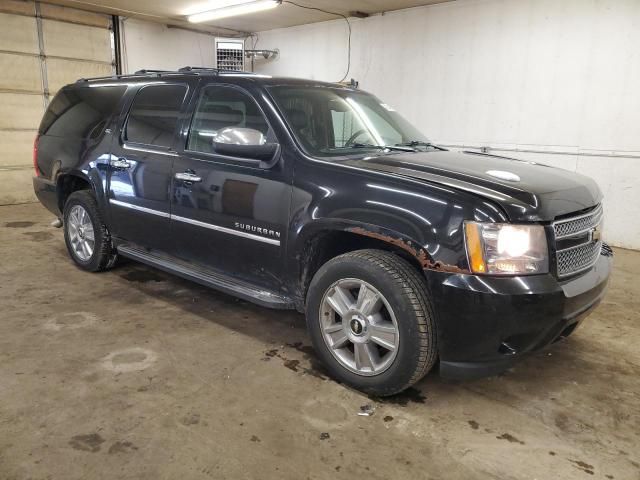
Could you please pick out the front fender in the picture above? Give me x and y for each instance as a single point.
(393, 238)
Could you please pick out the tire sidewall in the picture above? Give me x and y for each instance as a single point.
(404, 365)
(80, 198)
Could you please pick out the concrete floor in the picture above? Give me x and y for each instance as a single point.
(139, 375)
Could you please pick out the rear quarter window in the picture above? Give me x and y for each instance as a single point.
(81, 112)
(154, 114)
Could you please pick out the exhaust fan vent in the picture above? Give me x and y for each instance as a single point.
(230, 54)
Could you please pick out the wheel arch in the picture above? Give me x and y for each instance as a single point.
(322, 242)
(67, 183)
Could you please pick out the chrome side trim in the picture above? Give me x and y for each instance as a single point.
(149, 150)
(139, 208)
(230, 231)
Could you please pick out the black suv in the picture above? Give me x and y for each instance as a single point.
(297, 194)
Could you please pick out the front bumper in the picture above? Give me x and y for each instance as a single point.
(485, 324)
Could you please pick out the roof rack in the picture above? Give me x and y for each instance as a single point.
(148, 72)
(189, 69)
(139, 73)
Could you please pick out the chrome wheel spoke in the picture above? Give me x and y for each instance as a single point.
(89, 235)
(365, 356)
(340, 300)
(335, 335)
(73, 229)
(338, 339)
(73, 219)
(369, 301)
(334, 327)
(384, 334)
(85, 249)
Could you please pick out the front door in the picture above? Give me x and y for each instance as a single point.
(230, 213)
(140, 166)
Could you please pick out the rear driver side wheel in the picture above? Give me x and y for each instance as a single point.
(85, 233)
(371, 321)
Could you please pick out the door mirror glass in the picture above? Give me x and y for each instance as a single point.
(239, 136)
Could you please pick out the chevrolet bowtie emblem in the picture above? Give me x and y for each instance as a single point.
(596, 233)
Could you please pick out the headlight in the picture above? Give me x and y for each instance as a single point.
(506, 249)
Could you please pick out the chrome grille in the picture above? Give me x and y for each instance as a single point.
(576, 259)
(576, 225)
(581, 228)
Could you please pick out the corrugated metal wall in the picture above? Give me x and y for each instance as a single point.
(42, 48)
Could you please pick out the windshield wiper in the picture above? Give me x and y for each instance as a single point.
(399, 148)
(419, 143)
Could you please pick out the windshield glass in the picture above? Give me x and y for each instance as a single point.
(335, 122)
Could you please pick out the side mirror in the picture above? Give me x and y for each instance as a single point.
(245, 143)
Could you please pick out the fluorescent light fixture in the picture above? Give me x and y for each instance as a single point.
(233, 10)
(212, 5)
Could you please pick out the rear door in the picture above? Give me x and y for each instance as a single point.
(228, 213)
(139, 177)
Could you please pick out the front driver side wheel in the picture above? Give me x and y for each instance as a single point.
(371, 321)
(85, 233)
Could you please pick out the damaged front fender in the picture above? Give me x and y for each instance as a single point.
(419, 253)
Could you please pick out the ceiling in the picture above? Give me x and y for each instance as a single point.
(286, 15)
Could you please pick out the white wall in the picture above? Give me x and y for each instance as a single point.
(155, 46)
(560, 76)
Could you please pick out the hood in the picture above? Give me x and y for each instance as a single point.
(526, 191)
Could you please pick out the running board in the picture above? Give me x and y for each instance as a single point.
(206, 277)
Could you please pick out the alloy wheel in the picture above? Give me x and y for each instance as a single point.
(81, 234)
(359, 327)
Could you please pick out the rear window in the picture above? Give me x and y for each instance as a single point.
(81, 112)
(154, 115)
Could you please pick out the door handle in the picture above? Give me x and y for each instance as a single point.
(188, 177)
(119, 163)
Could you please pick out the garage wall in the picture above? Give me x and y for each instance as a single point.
(42, 48)
(149, 45)
(550, 81)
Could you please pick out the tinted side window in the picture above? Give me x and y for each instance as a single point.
(80, 112)
(226, 115)
(154, 114)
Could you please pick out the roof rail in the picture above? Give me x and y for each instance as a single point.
(139, 73)
(146, 71)
(188, 69)
(191, 69)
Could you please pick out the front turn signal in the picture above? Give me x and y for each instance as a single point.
(475, 250)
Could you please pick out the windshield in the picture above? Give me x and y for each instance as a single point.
(335, 122)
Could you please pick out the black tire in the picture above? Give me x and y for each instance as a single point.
(104, 255)
(405, 291)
